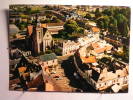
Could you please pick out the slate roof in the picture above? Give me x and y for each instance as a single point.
(13, 29)
(48, 57)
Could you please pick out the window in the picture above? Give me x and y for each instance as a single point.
(125, 82)
(114, 81)
(99, 85)
(39, 35)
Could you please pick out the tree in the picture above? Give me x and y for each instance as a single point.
(22, 25)
(122, 24)
(113, 26)
(48, 51)
(103, 22)
(98, 13)
(70, 26)
(108, 12)
(55, 19)
(88, 16)
(58, 51)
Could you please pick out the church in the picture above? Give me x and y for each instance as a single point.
(41, 35)
(41, 38)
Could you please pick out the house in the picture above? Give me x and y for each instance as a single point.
(17, 53)
(100, 47)
(106, 72)
(13, 29)
(99, 70)
(91, 24)
(90, 59)
(49, 61)
(109, 73)
(26, 72)
(95, 30)
(69, 47)
(53, 28)
(91, 37)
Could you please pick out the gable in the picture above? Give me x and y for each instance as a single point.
(47, 35)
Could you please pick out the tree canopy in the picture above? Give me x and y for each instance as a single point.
(115, 20)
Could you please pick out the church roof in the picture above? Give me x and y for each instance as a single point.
(54, 24)
(48, 57)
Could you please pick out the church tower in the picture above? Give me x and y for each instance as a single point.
(47, 40)
(42, 38)
(38, 37)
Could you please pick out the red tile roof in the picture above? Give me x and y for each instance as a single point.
(95, 45)
(95, 29)
(109, 47)
(30, 29)
(22, 69)
(54, 24)
(100, 50)
(91, 59)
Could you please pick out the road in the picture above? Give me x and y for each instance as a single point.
(80, 84)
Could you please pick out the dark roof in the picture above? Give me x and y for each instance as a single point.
(95, 75)
(13, 29)
(48, 57)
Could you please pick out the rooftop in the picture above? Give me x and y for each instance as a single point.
(47, 57)
(95, 29)
(53, 24)
(30, 29)
(13, 29)
(91, 59)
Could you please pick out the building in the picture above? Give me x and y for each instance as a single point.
(48, 61)
(95, 30)
(103, 73)
(70, 47)
(107, 74)
(40, 37)
(99, 69)
(13, 29)
(91, 24)
(53, 28)
(100, 48)
(26, 72)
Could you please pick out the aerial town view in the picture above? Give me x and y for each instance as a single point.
(65, 48)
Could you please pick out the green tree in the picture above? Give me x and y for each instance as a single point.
(113, 26)
(58, 51)
(122, 24)
(109, 11)
(48, 51)
(22, 25)
(55, 20)
(98, 13)
(88, 16)
(103, 22)
(70, 26)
